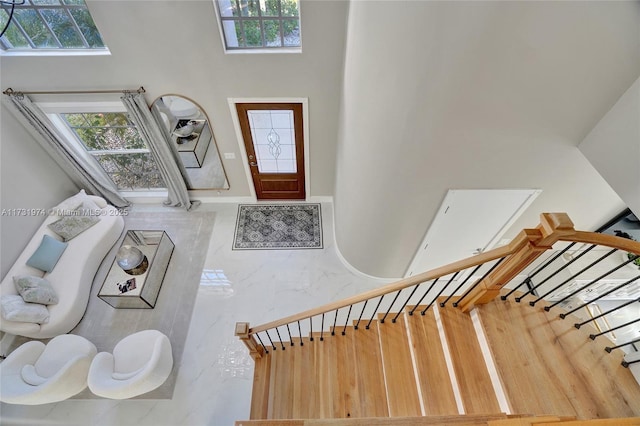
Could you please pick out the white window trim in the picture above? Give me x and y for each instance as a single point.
(259, 50)
(52, 109)
(57, 52)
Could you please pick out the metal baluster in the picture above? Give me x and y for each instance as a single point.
(461, 284)
(626, 364)
(310, 330)
(455, 304)
(266, 351)
(593, 336)
(563, 315)
(390, 306)
(322, 328)
(610, 348)
(405, 303)
(272, 345)
(280, 338)
(533, 303)
(335, 318)
(440, 292)
(375, 311)
(547, 308)
(537, 271)
(580, 324)
(344, 330)
(300, 333)
(560, 269)
(360, 317)
(290, 338)
(423, 296)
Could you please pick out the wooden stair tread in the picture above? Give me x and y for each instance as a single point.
(459, 420)
(369, 372)
(474, 381)
(578, 377)
(433, 375)
(402, 392)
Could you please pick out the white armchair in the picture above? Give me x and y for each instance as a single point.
(140, 363)
(36, 373)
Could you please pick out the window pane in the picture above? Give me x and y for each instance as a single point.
(289, 8)
(102, 132)
(249, 7)
(75, 120)
(45, 2)
(253, 35)
(232, 33)
(88, 27)
(63, 28)
(273, 137)
(270, 7)
(291, 29)
(136, 171)
(13, 34)
(228, 7)
(75, 2)
(272, 33)
(35, 28)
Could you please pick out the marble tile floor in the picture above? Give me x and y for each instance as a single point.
(213, 384)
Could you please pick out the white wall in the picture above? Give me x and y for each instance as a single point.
(613, 147)
(464, 95)
(175, 47)
(29, 179)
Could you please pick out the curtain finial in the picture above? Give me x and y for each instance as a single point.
(11, 92)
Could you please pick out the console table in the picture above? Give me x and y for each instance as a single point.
(192, 150)
(123, 290)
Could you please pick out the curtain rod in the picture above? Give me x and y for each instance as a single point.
(10, 91)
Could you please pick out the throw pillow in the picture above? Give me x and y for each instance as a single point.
(47, 254)
(15, 309)
(71, 203)
(69, 227)
(35, 289)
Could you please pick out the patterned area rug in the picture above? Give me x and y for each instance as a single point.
(279, 226)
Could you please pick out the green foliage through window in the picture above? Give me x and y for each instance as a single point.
(49, 24)
(250, 24)
(113, 140)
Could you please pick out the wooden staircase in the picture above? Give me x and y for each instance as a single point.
(502, 357)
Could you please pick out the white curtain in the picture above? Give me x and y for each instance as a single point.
(154, 136)
(81, 171)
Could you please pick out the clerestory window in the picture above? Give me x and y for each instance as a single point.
(260, 24)
(48, 25)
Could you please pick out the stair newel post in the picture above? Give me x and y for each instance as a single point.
(529, 244)
(242, 332)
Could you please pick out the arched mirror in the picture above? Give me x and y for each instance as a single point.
(193, 141)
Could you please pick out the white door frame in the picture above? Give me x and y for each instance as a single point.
(243, 152)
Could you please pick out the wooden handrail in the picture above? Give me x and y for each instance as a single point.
(451, 268)
(526, 246)
(604, 240)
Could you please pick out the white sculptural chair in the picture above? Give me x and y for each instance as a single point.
(36, 373)
(140, 363)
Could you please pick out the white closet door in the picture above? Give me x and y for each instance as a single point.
(469, 221)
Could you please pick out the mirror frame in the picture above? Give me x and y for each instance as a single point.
(213, 140)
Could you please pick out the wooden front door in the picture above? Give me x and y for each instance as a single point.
(273, 138)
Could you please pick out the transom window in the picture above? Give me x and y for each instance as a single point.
(260, 24)
(113, 140)
(49, 25)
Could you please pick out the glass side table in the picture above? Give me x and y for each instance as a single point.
(125, 290)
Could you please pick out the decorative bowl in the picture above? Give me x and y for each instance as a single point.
(184, 131)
